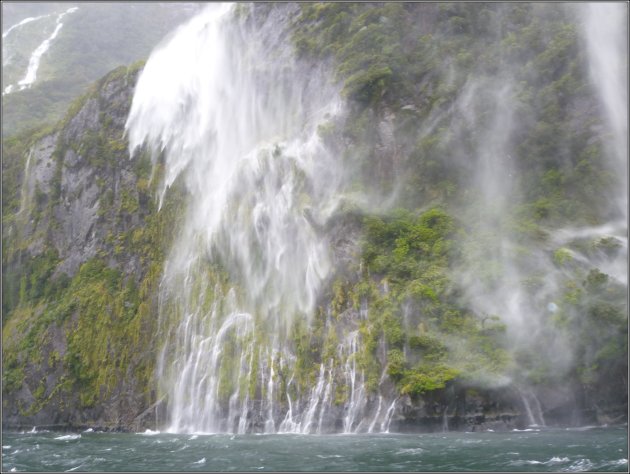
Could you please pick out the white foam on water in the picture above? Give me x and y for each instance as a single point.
(6, 447)
(186, 446)
(149, 432)
(201, 461)
(582, 428)
(68, 437)
(410, 451)
(580, 465)
(89, 430)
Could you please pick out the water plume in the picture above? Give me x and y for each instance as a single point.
(225, 107)
(606, 37)
(234, 114)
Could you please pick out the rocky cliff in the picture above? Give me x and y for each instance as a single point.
(81, 255)
(480, 270)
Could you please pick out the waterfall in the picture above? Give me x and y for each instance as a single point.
(26, 190)
(378, 412)
(231, 112)
(532, 407)
(388, 416)
(606, 34)
(445, 420)
(33, 64)
(21, 23)
(606, 40)
(355, 381)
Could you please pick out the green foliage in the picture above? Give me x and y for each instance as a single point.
(368, 86)
(411, 254)
(306, 354)
(431, 348)
(12, 374)
(105, 317)
(400, 246)
(426, 378)
(408, 66)
(562, 256)
(396, 364)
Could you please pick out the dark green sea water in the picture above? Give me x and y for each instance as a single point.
(556, 450)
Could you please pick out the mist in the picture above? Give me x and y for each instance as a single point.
(267, 149)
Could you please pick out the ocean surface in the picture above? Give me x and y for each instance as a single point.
(556, 450)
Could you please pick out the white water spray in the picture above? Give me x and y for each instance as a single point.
(235, 115)
(606, 32)
(606, 35)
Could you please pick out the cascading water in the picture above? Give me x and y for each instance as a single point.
(236, 115)
(33, 65)
(21, 23)
(606, 34)
(606, 39)
(533, 410)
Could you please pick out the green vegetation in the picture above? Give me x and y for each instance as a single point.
(102, 315)
(445, 79)
(411, 65)
(413, 256)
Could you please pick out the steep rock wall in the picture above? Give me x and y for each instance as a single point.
(81, 263)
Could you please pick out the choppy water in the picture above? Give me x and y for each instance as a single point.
(581, 449)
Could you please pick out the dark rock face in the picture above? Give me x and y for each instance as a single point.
(82, 231)
(76, 193)
(78, 223)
